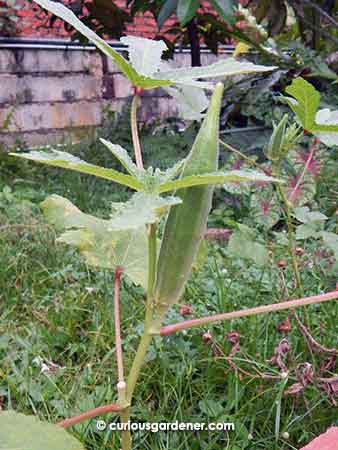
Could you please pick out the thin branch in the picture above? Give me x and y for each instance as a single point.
(117, 322)
(134, 132)
(169, 329)
(314, 345)
(291, 240)
(241, 155)
(111, 407)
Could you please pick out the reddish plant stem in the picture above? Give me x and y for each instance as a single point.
(313, 344)
(111, 407)
(314, 147)
(222, 234)
(118, 340)
(169, 329)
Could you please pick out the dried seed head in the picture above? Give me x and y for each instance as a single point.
(284, 326)
(207, 337)
(185, 310)
(233, 337)
(299, 251)
(282, 263)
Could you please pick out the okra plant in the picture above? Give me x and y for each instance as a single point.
(128, 241)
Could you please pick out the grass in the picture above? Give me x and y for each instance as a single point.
(55, 309)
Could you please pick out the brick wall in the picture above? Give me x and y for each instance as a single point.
(47, 94)
(31, 23)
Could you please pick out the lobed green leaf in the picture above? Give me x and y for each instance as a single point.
(101, 244)
(21, 432)
(142, 209)
(305, 102)
(122, 155)
(59, 10)
(224, 68)
(216, 178)
(191, 101)
(144, 54)
(65, 160)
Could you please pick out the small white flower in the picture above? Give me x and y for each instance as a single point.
(90, 289)
(45, 366)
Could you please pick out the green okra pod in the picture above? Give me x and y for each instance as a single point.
(277, 140)
(186, 223)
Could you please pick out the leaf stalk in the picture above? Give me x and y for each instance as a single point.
(134, 131)
(288, 304)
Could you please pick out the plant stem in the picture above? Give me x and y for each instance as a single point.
(134, 132)
(121, 386)
(289, 225)
(305, 169)
(118, 341)
(111, 407)
(126, 441)
(288, 304)
(146, 337)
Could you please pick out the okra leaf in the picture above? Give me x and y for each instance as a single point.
(110, 250)
(236, 176)
(172, 172)
(59, 10)
(143, 69)
(144, 54)
(224, 68)
(122, 155)
(142, 209)
(18, 431)
(100, 244)
(63, 214)
(57, 158)
(305, 102)
(191, 101)
(328, 118)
